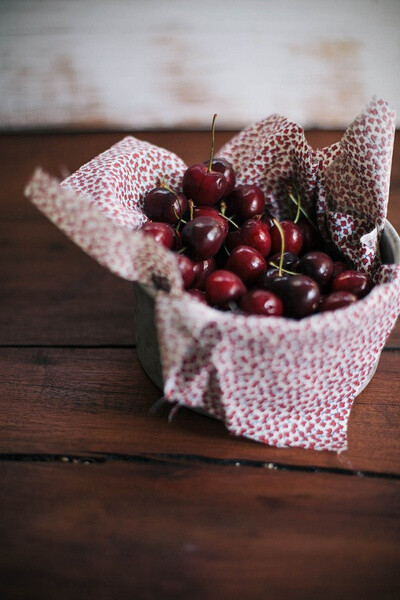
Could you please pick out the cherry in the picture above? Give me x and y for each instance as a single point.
(163, 233)
(261, 302)
(186, 267)
(290, 261)
(177, 241)
(267, 280)
(202, 270)
(267, 218)
(220, 165)
(292, 235)
(200, 183)
(338, 267)
(336, 300)
(300, 295)
(162, 204)
(356, 282)
(233, 239)
(256, 234)
(246, 262)
(223, 287)
(203, 237)
(246, 201)
(198, 294)
(209, 211)
(311, 237)
(317, 265)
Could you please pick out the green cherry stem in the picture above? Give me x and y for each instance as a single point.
(297, 217)
(284, 270)
(279, 228)
(191, 209)
(303, 211)
(222, 213)
(212, 144)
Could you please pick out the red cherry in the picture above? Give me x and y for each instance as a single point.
(163, 233)
(338, 267)
(223, 287)
(202, 186)
(220, 165)
(317, 265)
(256, 234)
(336, 300)
(203, 237)
(209, 211)
(233, 239)
(198, 294)
(202, 269)
(246, 262)
(356, 282)
(162, 204)
(300, 295)
(292, 235)
(290, 261)
(261, 302)
(246, 201)
(311, 237)
(186, 267)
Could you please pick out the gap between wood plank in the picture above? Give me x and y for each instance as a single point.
(168, 458)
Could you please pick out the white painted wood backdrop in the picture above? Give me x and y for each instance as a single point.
(173, 63)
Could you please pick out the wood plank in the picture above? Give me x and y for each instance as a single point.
(178, 531)
(82, 401)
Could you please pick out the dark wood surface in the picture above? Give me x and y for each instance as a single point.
(99, 498)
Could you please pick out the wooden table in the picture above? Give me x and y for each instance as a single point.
(100, 499)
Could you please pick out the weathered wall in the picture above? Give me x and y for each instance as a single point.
(155, 63)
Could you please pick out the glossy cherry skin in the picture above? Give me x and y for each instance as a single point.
(202, 186)
(311, 237)
(255, 233)
(356, 282)
(336, 300)
(338, 267)
(161, 204)
(163, 233)
(317, 265)
(300, 295)
(220, 165)
(223, 287)
(209, 211)
(290, 261)
(203, 237)
(246, 201)
(261, 302)
(246, 262)
(292, 236)
(198, 294)
(186, 267)
(233, 239)
(268, 280)
(202, 270)
(267, 218)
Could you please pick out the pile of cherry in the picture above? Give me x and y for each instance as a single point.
(234, 256)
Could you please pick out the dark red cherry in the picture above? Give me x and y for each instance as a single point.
(163, 233)
(256, 234)
(220, 165)
(233, 239)
(246, 262)
(246, 201)
(203, 237)
(336, 300)
(202, 186)
(290, 261)
(292, 235)
(356, 282)
(223, 287)
(300, 295)
(311, 238)
(261, 302)
(267, 218)
(202, 269)
(177, 241)
(186, 267)
(338, 267)
(209, 211)
(162, 204)
(198, 294)
(268, 280)
(317, 265)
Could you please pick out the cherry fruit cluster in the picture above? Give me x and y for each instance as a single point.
(234, 255)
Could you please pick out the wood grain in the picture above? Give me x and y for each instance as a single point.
(175, 531)
(83, 401)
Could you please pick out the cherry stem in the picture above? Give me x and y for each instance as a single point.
(284, 270)
(226, 250)
(302, 210)
(279, 228)
(230, 221)
(297, 217)
(212, 144)
(191, 209)
(181, 250)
